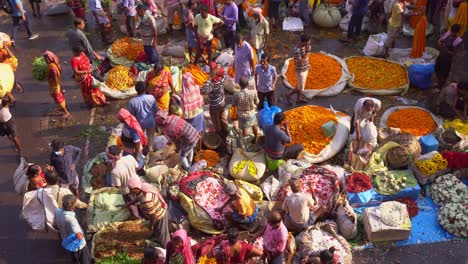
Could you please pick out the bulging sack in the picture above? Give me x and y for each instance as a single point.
(327, 16)
(247, 166)
(375, 45)
(421, 75)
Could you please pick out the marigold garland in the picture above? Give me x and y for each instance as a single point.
(305, 125)
(120, 78)
(376, 74)
(412, 120)
(324, 72)
(199, 76)
(127, 48)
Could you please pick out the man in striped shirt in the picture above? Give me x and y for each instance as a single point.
(184, 135)
(301, 60)
(149, 33)
(216, 99)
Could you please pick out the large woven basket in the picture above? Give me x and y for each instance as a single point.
(403, 155)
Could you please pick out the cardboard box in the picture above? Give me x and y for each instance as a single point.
(376, 230)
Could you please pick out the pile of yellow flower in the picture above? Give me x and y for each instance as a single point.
(206, 260)
(241, 165)
(199, 76)
(305, 125)
(412, 120)
(377, 74)
(128, 48)
(431, 166)
(120, 78)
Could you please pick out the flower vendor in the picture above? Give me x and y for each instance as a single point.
(265, 81)
(149, 34)
(365, 111)
(54, 74)
(277, 136)
(159, 80)
(275, 238)
(192, 104)
(133, 136)
(244, 209)
(244, 59)
(453, 101)
(300, 209)
(205, 24)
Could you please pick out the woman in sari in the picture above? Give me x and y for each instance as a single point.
(53, 75)
(178, 250)
(192, 103)
(82, 70)
(158, 81)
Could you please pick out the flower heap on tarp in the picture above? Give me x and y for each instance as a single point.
(372, 73)
(412, 120)
(324, 72)
(305, 125)
(128, 48)
(431, 166)
(120, 78)
(358, 182)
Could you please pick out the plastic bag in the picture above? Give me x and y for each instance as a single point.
(72, 243)
(375, 45)
(421, 75)
(267, 114)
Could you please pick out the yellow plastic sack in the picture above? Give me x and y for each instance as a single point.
(458, 125)
(7, 79)
(198, 217)
(254, 191)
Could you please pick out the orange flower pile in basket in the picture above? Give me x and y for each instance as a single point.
(324, 72)
(127, 48)
(199, 76)
(377, 74)
(211, 157)
(305, 125)
(412, 120)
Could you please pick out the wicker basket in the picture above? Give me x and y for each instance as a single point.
(403, 155)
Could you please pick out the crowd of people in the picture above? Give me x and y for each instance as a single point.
(150, 112)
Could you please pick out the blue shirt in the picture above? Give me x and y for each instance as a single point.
(144, 108)
(67, 224)
(130, 133)
(15, 12)
(231, 13)
(360, 7)
(130, 9)
(265, 78)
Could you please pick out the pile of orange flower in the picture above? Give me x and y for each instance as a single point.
(305, 125)
(127, 48)
(412, 120)
(211, 157)
(324, 72)
(120, 78)
(371, 73)
(199, 76)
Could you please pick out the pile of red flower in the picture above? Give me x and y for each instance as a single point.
(456, 160)
(358, 182)
(411, 205)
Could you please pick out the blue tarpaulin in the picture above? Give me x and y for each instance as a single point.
(373, 197)
(425, 227)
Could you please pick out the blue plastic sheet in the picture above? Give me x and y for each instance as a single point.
(266, 115)
(372, 197)
(425, 227)
(421, 75)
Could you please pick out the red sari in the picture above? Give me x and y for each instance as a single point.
(91, 95)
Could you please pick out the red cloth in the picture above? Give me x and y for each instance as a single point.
(185, 250)
(127, 118)
(58, 97)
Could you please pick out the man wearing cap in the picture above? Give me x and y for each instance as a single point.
(244, 210)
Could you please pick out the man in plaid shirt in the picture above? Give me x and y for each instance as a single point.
(246, 101)
(184, 135)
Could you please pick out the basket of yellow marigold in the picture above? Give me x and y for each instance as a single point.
(377, 76)
(414, 120)
(305, 125)
(120, 78)
(126, 51)
(328, 75)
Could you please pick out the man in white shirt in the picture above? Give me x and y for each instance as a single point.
(301, 210)
(8, 124)
(123, 168)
